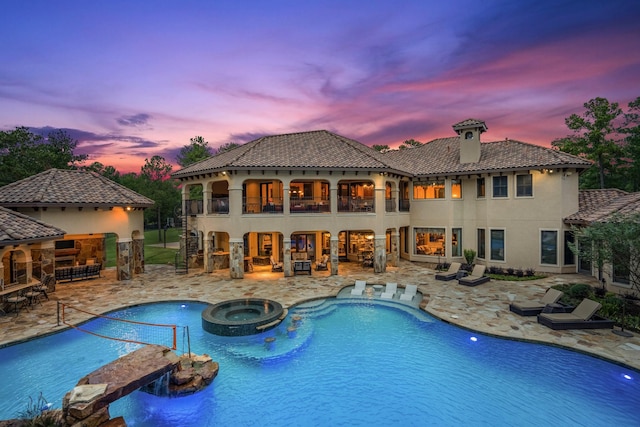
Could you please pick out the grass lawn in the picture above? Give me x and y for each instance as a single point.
(152, 254)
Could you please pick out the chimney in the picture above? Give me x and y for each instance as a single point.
(469, 131)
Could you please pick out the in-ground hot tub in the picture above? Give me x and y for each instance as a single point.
(241, 316)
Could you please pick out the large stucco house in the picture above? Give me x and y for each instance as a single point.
(71, 212)
(304, 195)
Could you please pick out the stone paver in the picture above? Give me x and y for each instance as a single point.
(484, 308)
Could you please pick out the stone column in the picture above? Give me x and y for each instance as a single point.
(395, 248)
(138, 256)
(286, 250)
(124, 250)
(207, 252)
(334, 255)
(236, 258)
(380, 254)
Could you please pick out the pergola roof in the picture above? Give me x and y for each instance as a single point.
(17, 228)
(70, 188)
(604, 205)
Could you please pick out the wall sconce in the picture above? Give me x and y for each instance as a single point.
(128, 208)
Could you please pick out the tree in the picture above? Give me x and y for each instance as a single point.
(198, 149)
(381, 148)
(108, 172)
(410, 143)
(156, 184)
(227, 146)
(615, 243)
(631, 148)
(595, 138)
(23, 153)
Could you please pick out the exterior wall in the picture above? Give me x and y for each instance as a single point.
(555, 196)
(80, 224)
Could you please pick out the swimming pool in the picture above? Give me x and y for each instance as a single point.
(349, 363)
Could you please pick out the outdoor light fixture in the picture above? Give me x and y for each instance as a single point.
(474, 339)
(128, 208)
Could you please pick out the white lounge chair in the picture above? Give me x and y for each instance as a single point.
(389, 290)
(409, 292)
(359, 287)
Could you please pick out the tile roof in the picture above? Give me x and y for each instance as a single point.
(470, 123)
(320, 150)
(603, 205)
(442, 157)
(17, 228)
(61, 187)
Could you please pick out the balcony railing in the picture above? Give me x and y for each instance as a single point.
(219, 205)
(404, 205)
(261, 205)
(193, 207)
(347, 204)
(390, 205)
(309, 205)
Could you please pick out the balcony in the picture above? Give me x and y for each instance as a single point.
(193, 207)
(365, 204)
(219, 205)
(404, 205)
(390, 205)
(309, 205)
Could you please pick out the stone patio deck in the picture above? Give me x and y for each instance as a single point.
(483, 308)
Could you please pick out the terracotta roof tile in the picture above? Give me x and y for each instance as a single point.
(60, 187)
(305, 150)
(603, 205)
(16, 228)
(442, 157)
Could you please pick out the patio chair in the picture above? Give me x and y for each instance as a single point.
(322, 263)
(409, 293)
(389, 291)
(18, 300)
(531, 308)
(582, 317)
(476, 277)
(276, 266)
(359, 287)
(451, 273)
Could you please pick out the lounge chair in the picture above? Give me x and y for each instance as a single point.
(409, 293)
(451, 273)
(389, 291)
(531, 308)
(276, 266)
(359, 287)
(582, 317)
(476, 277)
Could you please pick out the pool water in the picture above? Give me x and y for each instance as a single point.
(347, 363)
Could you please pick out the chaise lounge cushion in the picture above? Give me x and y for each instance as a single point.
(582, 317)
(531, 308)
(451, 273)
(476, 277)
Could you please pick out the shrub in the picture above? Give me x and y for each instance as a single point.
(469, 255)
(519, 272)
(495, 270)
(579, 291)
(529, 272)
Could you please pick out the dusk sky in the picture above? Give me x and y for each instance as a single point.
(132, 79)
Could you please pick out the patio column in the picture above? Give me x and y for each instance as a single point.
(286, 250)
(395, 245)
(334, 255)
(138, 256)
(124, 249)
(236, 258)
(380, 254)
(207, 250)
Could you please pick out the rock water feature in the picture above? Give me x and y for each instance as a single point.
(153, 369)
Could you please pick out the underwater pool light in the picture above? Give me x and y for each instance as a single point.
(474, 339)
(627, 377)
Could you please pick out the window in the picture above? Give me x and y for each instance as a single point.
(497, 245)
(456, 242)
(549, 247)
(524, 185)
(481, 243)
(500, 186)
(480, 188)
(430, 241)
(428, 190)
(456, 189)
(569, 257)
(621, 262)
